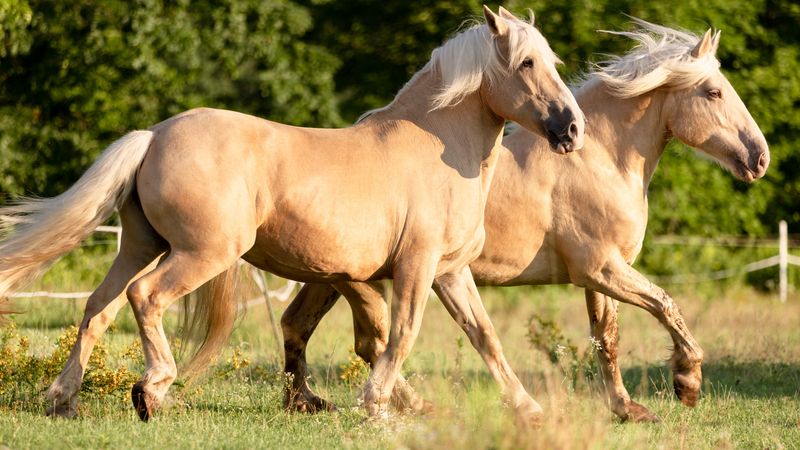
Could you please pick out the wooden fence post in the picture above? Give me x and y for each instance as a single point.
(783, 259)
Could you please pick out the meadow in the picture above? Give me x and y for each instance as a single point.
(751, 392)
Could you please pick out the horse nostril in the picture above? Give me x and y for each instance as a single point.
(573, 131)
(763, 162)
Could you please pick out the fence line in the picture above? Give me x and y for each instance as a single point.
(724, 241)
(280, 295)
(783, 260)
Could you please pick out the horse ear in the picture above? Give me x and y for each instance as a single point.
(702, 47)
(507, 15)
(497, 25)
(715, 42)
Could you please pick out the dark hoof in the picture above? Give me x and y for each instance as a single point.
(139, 398)
(687, 394)
(310, 404)
(61, 411)
(640, 414)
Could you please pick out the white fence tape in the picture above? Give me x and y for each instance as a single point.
(783, 259)
(283, 294)
(721, 274)
(50, 294)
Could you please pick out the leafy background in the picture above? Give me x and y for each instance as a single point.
(76, 75)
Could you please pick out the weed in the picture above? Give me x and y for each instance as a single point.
(354, 371)
(24, 375)
(233, 365)
(578, 368)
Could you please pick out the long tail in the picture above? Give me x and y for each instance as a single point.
(208, 320)
(38, 231)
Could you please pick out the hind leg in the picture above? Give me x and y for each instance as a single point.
(298, 324)
(179, 274)
(140, 247)
(603, 322)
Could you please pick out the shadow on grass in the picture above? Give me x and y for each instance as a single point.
(753, 379)
(263, 386)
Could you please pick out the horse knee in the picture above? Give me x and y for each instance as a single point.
(370, 348)
(172, 372)
(141, 298)
(291, 334)
(137, 294)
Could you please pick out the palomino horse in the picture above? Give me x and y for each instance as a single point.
(400, 195)
(581, 219)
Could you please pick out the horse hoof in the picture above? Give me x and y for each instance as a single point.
(529, 415)
(378, 417)
(687, 393)
(639, 414)
(315, 405)
(309, 404)
(61, 411)
(139, 399)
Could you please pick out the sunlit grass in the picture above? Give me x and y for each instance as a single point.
(751, 395)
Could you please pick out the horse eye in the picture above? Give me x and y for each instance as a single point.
(527, 63)
(714, 94)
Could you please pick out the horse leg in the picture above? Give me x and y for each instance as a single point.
(412, 282)
(371, 335)
(619, 280)
(179, 274)
(298, 324)
(140, 245)
(460, 296)
(604, 328)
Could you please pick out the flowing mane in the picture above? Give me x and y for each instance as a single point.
(466, 58)
(662, 57)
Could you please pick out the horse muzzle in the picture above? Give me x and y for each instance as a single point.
(564, 136)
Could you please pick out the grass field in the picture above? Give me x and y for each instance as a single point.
(751, 395)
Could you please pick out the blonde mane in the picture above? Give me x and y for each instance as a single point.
(463, 61)
(661, 57)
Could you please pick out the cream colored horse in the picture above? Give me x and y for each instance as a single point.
(400, 195)
(582, 219)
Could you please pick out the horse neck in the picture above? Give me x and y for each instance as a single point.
(632, 131)
(468, 129)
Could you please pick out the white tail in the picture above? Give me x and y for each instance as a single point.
(38, 231)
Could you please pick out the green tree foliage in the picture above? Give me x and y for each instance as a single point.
(76, 75)
(15, 16)
(382, 43)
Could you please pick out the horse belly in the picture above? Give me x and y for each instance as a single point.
(313, 254)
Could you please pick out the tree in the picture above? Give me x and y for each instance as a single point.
(383, 43)
(76, 75)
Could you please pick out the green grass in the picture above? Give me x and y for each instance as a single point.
(751, 395)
